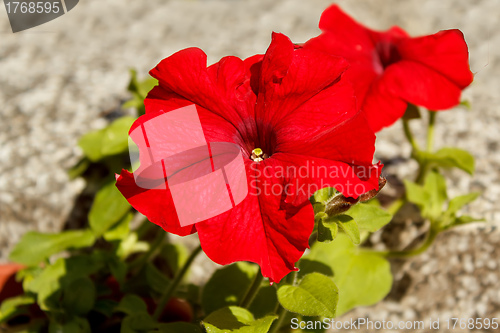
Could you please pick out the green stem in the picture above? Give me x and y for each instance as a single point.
(252, 290)
(396, 206)
(430, 130)
(281, 318)
(422, 172)
(175, 283)
(409, 135)
(281, 312)
(137, 264)
(411, 253)
(144, 228)
(423, 165)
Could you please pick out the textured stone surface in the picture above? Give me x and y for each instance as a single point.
(60, 80)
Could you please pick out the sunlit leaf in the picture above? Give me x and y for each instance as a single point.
(34, 247)
(362, 277)
(315, 295)
(369, 217)
(236, 319)
(227, 286)
(108, 208)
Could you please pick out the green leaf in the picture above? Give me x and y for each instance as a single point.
(140, 87)
(91, 144)
(116, 266)
(236, 319)
(35, 247)
(138, 323)
(130, 245)
(120, 230)
(466, 104)
(416, 194)
(79, 168)
(227, 286)
(105, 306)
(315, 295)
(108, 208)
(319, 208)
(264, 302)
(448, 158)
(50, 283)
(156, 279)
(369, 217)
(15, 305)
(175, 255)
(178, 327)
(435, 185)
(327, 230)
(457, 203)
(131, 304)
(349, 226)
(75, 325)
(28, 274)
(139, 91)
(79, 296)
(464, 219)
(115, 138)
(324, 195)
(362, 277)
(307, 266)
(111, 140)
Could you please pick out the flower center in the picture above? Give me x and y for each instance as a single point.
(388, 53)
(258, 155)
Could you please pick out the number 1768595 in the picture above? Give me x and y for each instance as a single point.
(33, 7)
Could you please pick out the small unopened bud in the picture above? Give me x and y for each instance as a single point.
(340, 204)
(371, 194)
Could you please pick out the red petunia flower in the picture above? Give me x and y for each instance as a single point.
(298, 128)
(390, 69)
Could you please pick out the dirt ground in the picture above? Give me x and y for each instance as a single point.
(61, 79)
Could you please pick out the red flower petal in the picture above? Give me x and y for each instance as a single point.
(420, 85)
(445, 52)
(316, 119)
(223, 88)
(215, 127)
(156, 204)
(290, 78)
(380, 98)
(307, 175)
(350, 36)
(260, 229)
(341, 158)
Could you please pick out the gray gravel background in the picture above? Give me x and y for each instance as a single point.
(58, 80)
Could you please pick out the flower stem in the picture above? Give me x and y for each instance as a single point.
(411, 253)
(281, 313)
(430, 130)
(175, 283)
(423, 164)
(409, 135)
(137, 264)
(396, 206)
(252, 290)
